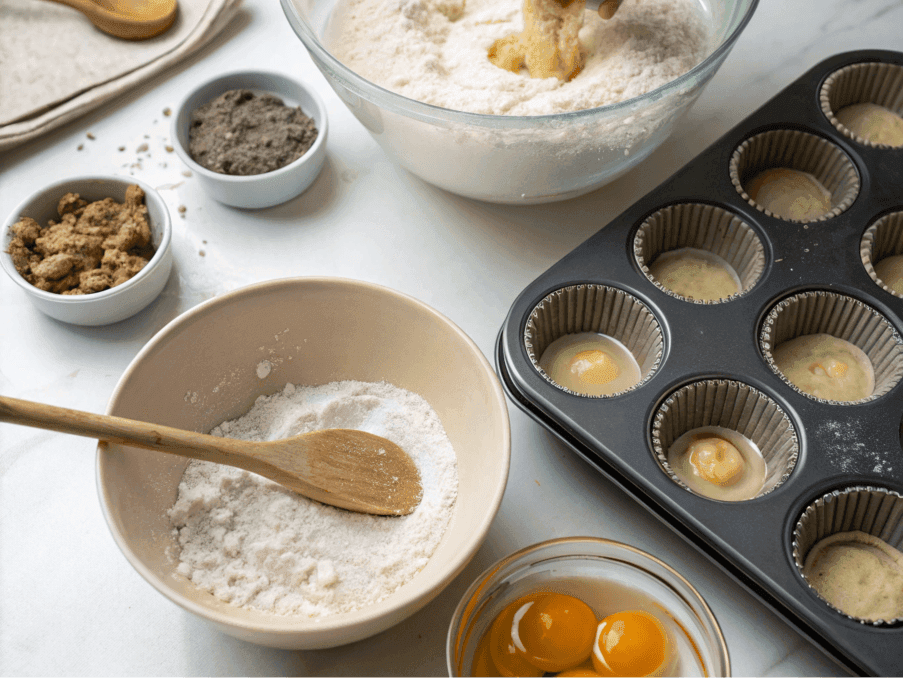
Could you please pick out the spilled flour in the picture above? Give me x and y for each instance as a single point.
(255, 544)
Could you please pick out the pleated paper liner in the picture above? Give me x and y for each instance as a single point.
(821, 312)
(732, 405)
(791, 149)
(864, 83)
(872, 510)
(882, 239)
(704, 227)
(601, 309)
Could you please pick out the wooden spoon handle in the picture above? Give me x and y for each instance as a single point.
(118, 430)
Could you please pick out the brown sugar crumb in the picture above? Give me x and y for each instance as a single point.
(80, 147)
(93, 247)
(142, 148)
(182, 209)
(169, 149)
(167, 111)
(121, 149)
(90, 136)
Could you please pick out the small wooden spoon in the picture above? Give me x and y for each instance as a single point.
(350, 469)
(129, 19)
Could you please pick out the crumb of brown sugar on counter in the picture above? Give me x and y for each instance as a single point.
(142, 148)
(202, 253)
(121, 149)
(169, 149)
(93, 247)
(167, 111)
(91, 136)
(80, 147)
(187, 173)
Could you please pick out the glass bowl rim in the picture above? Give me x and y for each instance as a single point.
(431, 113)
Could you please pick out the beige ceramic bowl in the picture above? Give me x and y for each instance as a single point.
(202, 369)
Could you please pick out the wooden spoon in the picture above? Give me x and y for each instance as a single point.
(129, 19)
(350, 469)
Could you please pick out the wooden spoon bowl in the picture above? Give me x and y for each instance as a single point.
(128, 19)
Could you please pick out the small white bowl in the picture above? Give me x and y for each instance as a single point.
(117, 303)
(256, 190)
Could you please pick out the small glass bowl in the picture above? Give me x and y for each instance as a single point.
(582, 567)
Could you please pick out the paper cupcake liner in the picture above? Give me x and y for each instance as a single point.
(596, 308)
(843, 317)
(801, 151)
(873, 510)
(882, 239)
(704, 227)
(732, 405)
(867, 83)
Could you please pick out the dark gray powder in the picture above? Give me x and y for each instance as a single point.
(244, 133)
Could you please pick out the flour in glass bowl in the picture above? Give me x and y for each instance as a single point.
(435, 51)
(252, 543)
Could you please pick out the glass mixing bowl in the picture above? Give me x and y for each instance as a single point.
(517, 159)
(609, 576)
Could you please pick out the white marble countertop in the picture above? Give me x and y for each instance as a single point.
(69, 601)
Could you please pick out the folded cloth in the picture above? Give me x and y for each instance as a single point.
(55, 65)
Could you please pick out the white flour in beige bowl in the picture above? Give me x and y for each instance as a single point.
(252, 543)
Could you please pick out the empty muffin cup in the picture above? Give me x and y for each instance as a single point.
(580, 313)
(820, 314)
(865, 103)
(731, 407)
(795, 176)
(847, 547)
(698, 230)
(881, 250)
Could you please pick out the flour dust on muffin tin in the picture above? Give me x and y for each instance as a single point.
(252, 543)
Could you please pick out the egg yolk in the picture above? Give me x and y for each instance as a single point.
(829, 367)
(508, 659)
(716, 460)
(555, 632)
(584, 670)
(631, 643)
(482, 660)
(594, 367)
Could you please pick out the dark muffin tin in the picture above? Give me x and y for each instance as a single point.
(840, 446)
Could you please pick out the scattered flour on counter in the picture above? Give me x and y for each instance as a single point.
(255, 544)
(436, 51)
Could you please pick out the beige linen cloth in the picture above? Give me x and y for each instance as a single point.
(55, 65)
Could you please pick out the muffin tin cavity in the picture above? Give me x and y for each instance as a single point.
(802, 152)
(864, 83)
(877, 512)
(882, 253)
(599, 309)
(737, 407)
(843, 317)
(702, 227)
